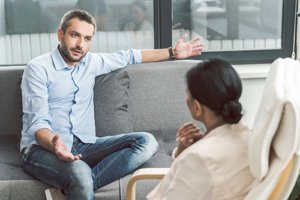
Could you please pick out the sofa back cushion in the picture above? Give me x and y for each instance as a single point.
(155, 100)
(157, 95)
(111, 103)
(10, 100)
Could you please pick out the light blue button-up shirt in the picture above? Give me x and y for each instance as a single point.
(60, 98)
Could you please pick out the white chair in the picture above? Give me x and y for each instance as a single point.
(274, 145)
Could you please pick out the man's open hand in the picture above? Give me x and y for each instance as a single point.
(61, 150)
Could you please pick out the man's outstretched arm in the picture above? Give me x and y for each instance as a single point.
(182, 49)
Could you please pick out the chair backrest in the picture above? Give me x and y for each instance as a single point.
(274, 153)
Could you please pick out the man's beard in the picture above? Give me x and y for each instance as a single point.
(67, 55)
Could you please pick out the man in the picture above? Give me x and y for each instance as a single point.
(59, 145)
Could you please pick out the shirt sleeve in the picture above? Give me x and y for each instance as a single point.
(191, 180)
(35, 100)
(113, 61)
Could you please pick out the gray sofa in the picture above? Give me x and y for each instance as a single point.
(145, 97)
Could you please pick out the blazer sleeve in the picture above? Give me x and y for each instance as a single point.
(191, 180)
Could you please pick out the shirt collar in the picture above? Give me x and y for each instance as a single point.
(59, 62)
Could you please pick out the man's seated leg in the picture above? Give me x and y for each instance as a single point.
(75, 178)
(113, 157)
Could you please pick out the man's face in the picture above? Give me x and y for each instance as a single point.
(76, 41)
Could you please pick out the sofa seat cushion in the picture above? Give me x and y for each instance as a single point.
(12, 172)
(22, 189)
(8, 172)
(10, 159)
(9, 150)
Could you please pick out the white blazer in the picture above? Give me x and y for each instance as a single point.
(215, 167)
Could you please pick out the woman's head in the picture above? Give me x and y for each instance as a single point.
(215, 84)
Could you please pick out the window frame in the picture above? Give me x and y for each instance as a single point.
(163, 36)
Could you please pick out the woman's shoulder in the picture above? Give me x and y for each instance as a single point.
(232, 129)
(221, 142)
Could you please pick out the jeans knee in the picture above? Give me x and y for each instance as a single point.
(80, 184)
(150, 144)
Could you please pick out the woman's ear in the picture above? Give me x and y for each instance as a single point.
(198, 108)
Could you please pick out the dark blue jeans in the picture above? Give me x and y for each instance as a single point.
(103, 162)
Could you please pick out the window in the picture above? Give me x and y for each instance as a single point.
(28, 27)
(230, 24)
(240, 31)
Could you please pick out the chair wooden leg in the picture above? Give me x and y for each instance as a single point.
(145, 173)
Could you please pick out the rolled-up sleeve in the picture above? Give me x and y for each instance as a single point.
(113, 61)
(35, 101)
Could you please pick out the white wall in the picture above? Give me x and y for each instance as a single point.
(298, 34)
(253, 81)
(253, 78)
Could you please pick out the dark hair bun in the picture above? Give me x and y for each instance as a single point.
(232, 111)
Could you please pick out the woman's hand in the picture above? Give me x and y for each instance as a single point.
(187, 135)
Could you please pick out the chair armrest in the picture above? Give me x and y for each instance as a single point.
(141, 174)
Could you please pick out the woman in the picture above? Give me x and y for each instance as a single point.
(212, 165)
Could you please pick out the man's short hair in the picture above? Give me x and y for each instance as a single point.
(76, 13)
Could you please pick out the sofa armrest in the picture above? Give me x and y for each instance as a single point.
(141, 174)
